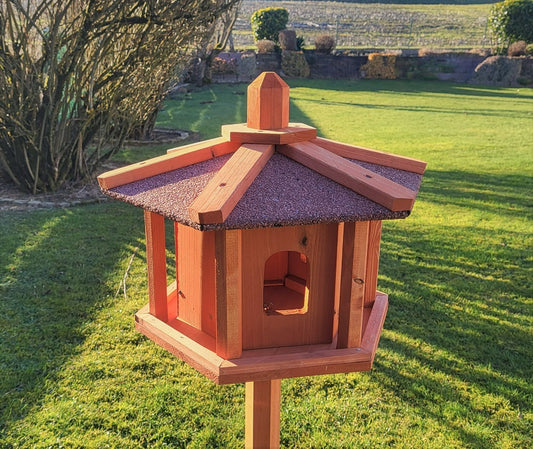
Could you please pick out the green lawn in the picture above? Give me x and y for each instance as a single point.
(454, 366)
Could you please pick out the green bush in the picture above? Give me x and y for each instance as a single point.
(294, 64)
(529, 50)
(268, 22)
(512, 20)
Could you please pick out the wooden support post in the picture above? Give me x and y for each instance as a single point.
(228, 255)
(352, 283)
(262, 414)
(154, 226)
(372, 262)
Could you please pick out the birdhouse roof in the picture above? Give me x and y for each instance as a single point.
(262, 177)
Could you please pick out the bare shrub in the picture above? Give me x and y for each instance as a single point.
(265, 46)
(324, 43)
(517, 49)
(77, 78)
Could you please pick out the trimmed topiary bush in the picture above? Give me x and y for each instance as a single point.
(324, 43)
(294, 64)
(287, 40)
(512, 20)
(380, 66)
(268, 22)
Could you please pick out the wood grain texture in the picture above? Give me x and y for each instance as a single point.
(352, 275)
(372, 156)
(365, 182)
(219, 147)
(227, 187)
(262, 364)
(228, 256)
(194, 354)
(372, 261)
(156, 260)
(196, 277)
(177, 158)
(318, 244)
(262, 404)
(295, 132)
(375, 323)
(268, 102)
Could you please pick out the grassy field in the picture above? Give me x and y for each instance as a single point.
(396, 24)
(453, 369)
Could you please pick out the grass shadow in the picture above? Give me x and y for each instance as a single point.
(58, 270)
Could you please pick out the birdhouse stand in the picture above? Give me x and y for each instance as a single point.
(277, 235)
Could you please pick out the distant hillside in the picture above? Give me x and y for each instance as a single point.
(394, 2)
(390, 24)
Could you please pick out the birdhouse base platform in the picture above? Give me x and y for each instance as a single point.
(197, 349)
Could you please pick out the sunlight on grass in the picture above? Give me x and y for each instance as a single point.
(453, 369)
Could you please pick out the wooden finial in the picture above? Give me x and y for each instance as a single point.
(268, 102)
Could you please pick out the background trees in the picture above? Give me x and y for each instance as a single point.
(512, 21)
(78, 76)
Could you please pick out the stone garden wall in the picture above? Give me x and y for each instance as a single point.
(459, 67)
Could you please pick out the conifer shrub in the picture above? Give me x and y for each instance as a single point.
(294, 64)
(512, 20)
(268, 22)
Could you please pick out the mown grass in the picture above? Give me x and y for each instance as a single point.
(453, 369)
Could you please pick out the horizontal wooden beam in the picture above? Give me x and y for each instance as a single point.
(365, 182)
(372, 156)
(176, 158)
(295, 132)
(227, 187)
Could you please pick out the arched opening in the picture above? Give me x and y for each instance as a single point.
(286, 284)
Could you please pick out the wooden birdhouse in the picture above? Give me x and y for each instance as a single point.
(277, 235)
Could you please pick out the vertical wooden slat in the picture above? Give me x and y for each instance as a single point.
(177, 252)
(154, 226)
(228, 293)
(343, 285)
(352, 283)
(262, 414)
(372, 261)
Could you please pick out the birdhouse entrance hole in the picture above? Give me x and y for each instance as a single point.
(286, 287)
